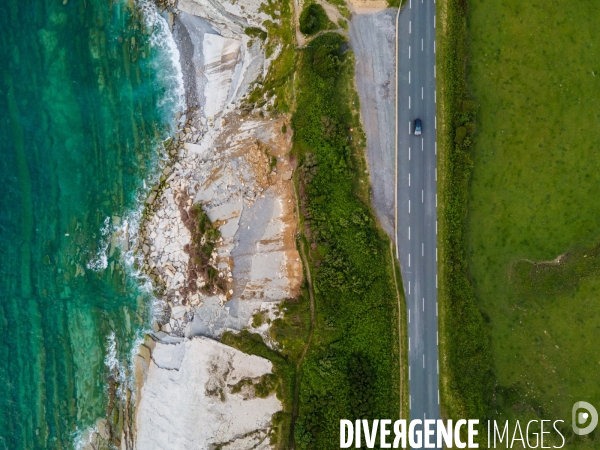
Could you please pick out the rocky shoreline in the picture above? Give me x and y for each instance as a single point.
(217, 240)
(225, 199)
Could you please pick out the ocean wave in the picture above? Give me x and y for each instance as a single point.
(162, 40)
(81, 438)
(100, 261)
(120, 356)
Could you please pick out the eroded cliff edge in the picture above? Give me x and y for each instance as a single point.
(229, 171)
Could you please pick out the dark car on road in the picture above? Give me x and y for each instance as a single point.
(417, 127)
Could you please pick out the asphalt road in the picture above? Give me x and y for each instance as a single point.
(416, 207)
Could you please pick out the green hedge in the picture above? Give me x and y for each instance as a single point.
(351, 369)
(468, 381)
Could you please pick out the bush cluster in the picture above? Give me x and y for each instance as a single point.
(204, 237)
(256, 32)
(313, 19)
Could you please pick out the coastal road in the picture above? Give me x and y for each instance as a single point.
(416, 200)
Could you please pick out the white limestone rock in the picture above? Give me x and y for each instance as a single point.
(187, 400)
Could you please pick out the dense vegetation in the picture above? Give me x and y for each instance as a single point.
(313, 19)
(467, 380)
(351, 369)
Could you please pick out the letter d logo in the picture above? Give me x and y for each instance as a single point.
(582, 417)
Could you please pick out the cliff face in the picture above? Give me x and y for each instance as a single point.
(235, 168)
(193, 398)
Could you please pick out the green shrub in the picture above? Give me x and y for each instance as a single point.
(461, 133)
(256, 33)
(313, 19)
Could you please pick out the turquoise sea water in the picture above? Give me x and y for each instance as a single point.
(87, 90)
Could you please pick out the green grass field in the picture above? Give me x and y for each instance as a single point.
(534, 71)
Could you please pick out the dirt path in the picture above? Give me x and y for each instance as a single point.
(304, 258)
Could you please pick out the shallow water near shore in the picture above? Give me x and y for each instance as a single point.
(87, 93)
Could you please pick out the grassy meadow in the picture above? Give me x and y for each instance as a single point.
(534, 71)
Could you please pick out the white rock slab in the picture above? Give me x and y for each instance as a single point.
(220, 58)
(189, 406)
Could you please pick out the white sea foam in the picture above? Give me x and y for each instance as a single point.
(116, 367)
(168, 55)
(81, 438)
(100, 261)
(166, 63)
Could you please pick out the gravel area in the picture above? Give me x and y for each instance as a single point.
(373, 40)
